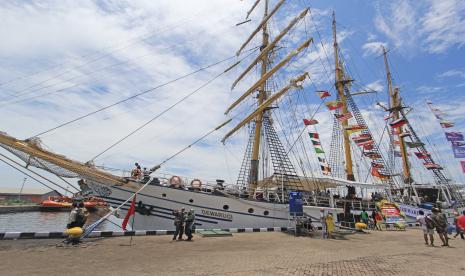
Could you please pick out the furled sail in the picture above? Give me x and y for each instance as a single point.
(271, 46)
(294, 83)
(270, 73)
(31, 152)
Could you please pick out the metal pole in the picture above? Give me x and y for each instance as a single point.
(22, 186)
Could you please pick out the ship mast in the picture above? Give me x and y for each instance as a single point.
(340, 87)
(395, 106)
(258, 121)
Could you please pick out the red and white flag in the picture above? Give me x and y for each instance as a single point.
(310, 122)
(131, 211)
(323, 94)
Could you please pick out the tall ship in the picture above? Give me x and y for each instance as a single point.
(282, 136)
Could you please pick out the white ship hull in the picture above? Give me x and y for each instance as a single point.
(155, 205)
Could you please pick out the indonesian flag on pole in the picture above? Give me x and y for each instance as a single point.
(131, 211)
(323, 94)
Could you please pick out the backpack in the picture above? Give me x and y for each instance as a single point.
(429, 222)
(80, 218)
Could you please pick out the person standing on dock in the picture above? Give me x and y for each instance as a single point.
(72, 216)
(179, 219)
(421, 219)
(323, 224)
(364, 216)
(440, 222)
(190, 219)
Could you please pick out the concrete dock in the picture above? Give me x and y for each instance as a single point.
(375, 253)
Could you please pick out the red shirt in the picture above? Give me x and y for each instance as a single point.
(461, 222)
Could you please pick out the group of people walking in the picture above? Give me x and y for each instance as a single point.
(185, 223)
(438, 220)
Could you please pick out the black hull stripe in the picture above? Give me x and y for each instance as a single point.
(198, 206)
(116, 201)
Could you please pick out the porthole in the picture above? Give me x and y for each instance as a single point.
(225, 207)
(250, 210)
(191, 200)
(266, 213)
(163, 195)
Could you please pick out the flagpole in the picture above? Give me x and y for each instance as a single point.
(132, 228)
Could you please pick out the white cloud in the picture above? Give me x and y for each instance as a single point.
(432, 26)
(373, 48)
(444, 25)
(375, 86)
(452, 73)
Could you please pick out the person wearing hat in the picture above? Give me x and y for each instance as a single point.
(440, 221)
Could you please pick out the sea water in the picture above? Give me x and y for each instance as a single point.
(46, 222)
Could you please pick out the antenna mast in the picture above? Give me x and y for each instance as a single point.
(340, 86)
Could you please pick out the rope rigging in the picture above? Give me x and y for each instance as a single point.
(137, 95)
(171, 107)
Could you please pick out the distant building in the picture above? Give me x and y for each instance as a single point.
(29, 195)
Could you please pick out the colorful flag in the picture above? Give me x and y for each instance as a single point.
(319, 150)
(458, 143)
(314, 135)
(361, 138)
(454, 136)
(325, 169)
(310, 122)
(377, 174)
(377, 165)
(421, 155)
(462, 164)
(446, 124)
(354, 128)
(333, 105)
(459, 152)
(323, 94)
(432, 166)
(413, 145)
(368, 147)
(343, 117)
(131, 211)
(316, 142)
(398, 123)
(372, 155)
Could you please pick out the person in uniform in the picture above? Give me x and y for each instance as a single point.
(189, 227)
(179, 219)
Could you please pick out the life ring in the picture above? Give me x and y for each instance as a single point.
(196, 183)
(175, 181)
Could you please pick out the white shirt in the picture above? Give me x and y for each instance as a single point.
(422, 220)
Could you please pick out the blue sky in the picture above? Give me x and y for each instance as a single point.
(51, 51)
